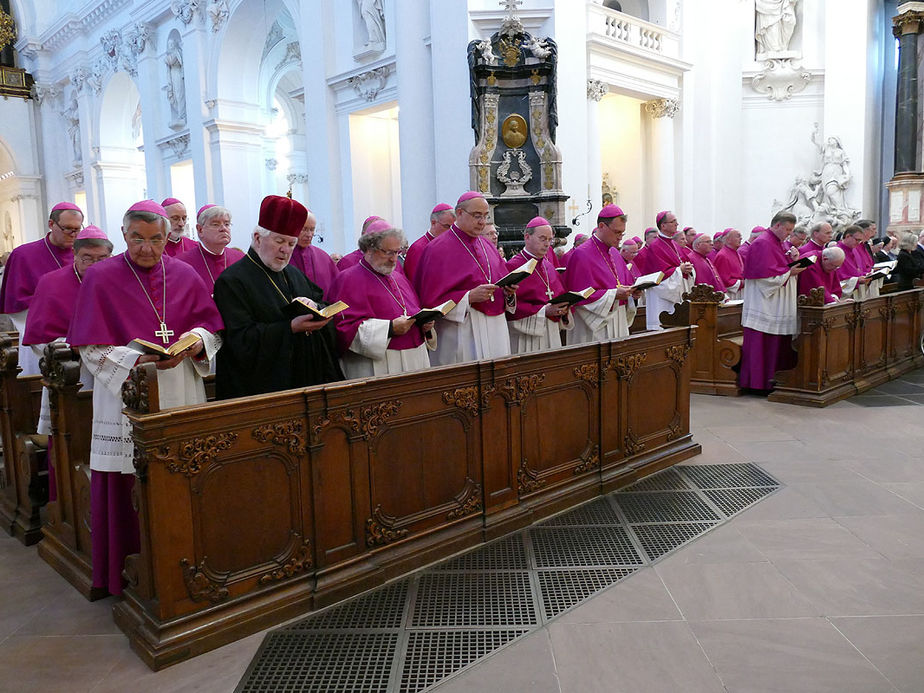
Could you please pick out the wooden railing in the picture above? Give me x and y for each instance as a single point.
(717, 350)
(256, 510)
(20, 398)
(848, 348)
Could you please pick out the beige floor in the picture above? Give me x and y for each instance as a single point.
(818, 588)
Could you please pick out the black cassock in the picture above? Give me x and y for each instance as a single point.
(260, 353)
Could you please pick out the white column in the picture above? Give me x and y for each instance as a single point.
(418, 152)
(663, 183)
(451, 103)
(195, 69)
(154, 112)
(237, 161)
(596, 90)
(321, 120)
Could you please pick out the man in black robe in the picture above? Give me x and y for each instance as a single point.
(265, 349)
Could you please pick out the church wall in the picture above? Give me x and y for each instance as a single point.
(622, 142)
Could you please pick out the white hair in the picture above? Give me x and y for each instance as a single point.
(261, 232)
(832, 253)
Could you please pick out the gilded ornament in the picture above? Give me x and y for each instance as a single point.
(514, 131)
(7, 30)
(534, 77)
(492, 80)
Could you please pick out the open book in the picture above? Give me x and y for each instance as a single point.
(517, 275)
(572, 297)
(300, 306)
(804, 261)
(428, 314)
(167, 352)
(646, 281)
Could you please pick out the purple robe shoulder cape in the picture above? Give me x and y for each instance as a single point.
(175, 248)
(592, 264)
(455, 263)
(52, 306)
(765, 258)
(415, 254)
(810, 247)
(661, 255)
(115, 310)
(729, 265)
(851, 266)
(532, 295)
(372, 295)
(207, 265)
(315, 264)
(814, 276)
(706, 272)
(25, 266)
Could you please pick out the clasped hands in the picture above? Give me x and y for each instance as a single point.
(484, 292)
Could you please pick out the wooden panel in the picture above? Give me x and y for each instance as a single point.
(328, 491)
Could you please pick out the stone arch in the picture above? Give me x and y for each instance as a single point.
(119, 167)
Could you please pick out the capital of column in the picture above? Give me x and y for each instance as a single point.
(909, 22)
(659, 108)
(596, 89)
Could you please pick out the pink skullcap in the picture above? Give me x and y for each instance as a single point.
(634, 239)
(441, 207)
(369, 220)
(470, 195)
(149, 206)
(580, 237)
(91, 232)
(538, 221)
(697, 237)
(687, 228)
(611, 211)
(62, 206)
(718, 234)
(170, 201)
(758, 229)
(202, 208)
(660, 216)
(650, 228)
(377, 225)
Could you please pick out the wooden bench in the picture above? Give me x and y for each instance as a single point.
(257, 510)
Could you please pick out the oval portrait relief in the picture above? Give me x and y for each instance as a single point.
(514, 131)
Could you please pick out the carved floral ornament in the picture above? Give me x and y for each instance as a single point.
(596, 89)
(7, 30)
(661, 108)
(368, 84)
(905, 23)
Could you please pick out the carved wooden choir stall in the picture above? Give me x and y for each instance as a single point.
(23, 487)
(848, 348)
(256, 510)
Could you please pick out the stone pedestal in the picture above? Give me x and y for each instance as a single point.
(906, 211)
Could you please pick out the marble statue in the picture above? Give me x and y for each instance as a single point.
(835, 170)
(776, 22)
(373, 16)
(71, 116)
(176, 82)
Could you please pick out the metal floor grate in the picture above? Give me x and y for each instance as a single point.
(322, 662)
(727, 475)
(658, 540)
(450, 600)
(434, 655)
(562, 589)
(504, 554)
(412, 634)
(598, 512)
(665, 506)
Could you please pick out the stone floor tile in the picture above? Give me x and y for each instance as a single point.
(525, 666)
(770, 656)
(862, 497)
(79, 662)
(894, 536)
(630, 657)
(894, 644)
(845, 587)
(724, 544)
(639, 597)
(785, 504)
(68, 613)
(732, 590)
(892, 469)
(793, 470)
(806, 539)
(750, 433)
(913, 492)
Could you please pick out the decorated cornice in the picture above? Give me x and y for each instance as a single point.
(72, 25)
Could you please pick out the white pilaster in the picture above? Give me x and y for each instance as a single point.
(596, 90)
(661, 113)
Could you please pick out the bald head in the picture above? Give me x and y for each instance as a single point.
(832, 258)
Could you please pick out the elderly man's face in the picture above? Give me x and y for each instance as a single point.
(274, 249)
(797, 240)
(384, 258)
(307, 234)
(680, 239)
(473, 216)
(215, 233)
(443, 222)
(539, 241)
(852, 240)
(782, 229)
(690, 235)
(668, 225)
(176, 213)
(831, 264)
(733, 239)
(628, 251)
(823, 235)
(88, 256)
(65, 230)
(703, 246)
(145, 241)
(490, 232)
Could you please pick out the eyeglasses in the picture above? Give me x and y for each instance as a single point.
(477, 216)
(140, 242)
(388, 253)
(69, 229)
(219, 224)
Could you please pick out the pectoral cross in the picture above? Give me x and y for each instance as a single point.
(164, 333)
(549, 292)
